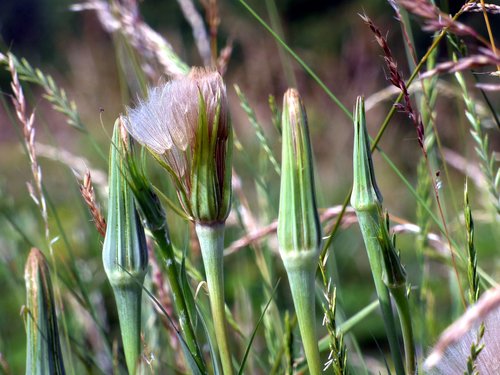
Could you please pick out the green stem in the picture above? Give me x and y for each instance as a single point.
(301, 270)
(180, 303)
(368, 223)
(401, 300)
(128, 302)
(211, 239)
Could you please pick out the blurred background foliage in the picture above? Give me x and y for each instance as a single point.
(331, 38)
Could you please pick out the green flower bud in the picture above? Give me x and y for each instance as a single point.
(125, 254)
(44, 354)
(185, 124)
(365, 193)
(298, 222)
(299, 230)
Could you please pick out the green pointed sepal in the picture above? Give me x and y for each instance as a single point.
(43, 354)
(394, 274)
(147, 202)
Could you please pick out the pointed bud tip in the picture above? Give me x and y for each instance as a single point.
(292, 97)
(35, 263)
(365, 193)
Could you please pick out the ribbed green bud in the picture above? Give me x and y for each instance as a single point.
(125, 254)
(298, 221)
(299, 230)
(365, 193)
(43, 354)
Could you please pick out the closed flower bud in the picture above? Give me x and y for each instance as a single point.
(299, 230)
(298, 222)
(365, 192)
(185, 123)
(125, 253)
(43, 348)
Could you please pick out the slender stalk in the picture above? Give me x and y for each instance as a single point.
(368, 223)
(211, 239)
(301, 269)
(128, 302)
(367, 202)
(403, 306)
(185, 320)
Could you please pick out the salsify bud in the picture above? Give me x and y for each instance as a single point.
(125, 254)
(185, 124)
(44, 354)
(299, 230)
(298, 222)
(365, 193)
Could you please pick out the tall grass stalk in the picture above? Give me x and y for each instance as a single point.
(35, 187)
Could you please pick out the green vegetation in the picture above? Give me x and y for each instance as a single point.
(194, 248)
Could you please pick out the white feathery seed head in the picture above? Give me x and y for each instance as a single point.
(180, 118)
(167, 120)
